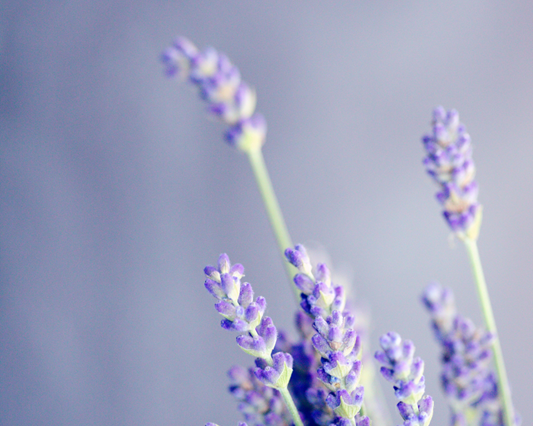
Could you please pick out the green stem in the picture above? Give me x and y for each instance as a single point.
(285, 394)
(490, 323)
(273, 210)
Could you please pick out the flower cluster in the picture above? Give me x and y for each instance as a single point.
(468, 382)
(335, 340)
(316, 380)
(449, 163)
(219, 82)
(406, 375)
(243, 314)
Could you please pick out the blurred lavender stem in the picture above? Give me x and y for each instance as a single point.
(257, 162)
(490, 323)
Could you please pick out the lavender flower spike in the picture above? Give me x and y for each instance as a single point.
(468, 382)
(241, 313)
(335, 339)
(449, 162)
(219, 83)
(406, 375)
(258, 335)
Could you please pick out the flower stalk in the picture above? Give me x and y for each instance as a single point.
(490, 324)
(283, 239)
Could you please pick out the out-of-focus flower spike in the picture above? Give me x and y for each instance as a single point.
(258, 403)
(468, 382)
(449, 162)
(219, 84)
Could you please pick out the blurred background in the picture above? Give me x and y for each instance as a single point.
(117, 189)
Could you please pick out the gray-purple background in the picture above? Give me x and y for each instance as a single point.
(116, 189)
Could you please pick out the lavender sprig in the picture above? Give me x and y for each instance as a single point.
(406, 375)
(335, 339)
(219, 82)
(468, 382)
(449, 162)
(235, 302)
(233, 102)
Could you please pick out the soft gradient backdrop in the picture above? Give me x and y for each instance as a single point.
(116, 189)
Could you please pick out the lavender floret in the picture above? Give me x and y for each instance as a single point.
(405, 372)
(219, 83)
(449, 162)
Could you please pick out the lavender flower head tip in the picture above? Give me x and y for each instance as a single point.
(219, 83)
(449, 162)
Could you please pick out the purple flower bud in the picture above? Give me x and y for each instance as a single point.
(304, 283)
(252, 314)
(346, 404)
(323, 274)
(338, 365)
(246, 295)
(226, 309)
(321, 345)
(298, 258)
(268, 332)
(255, 347)
(214, 288)
(349, 342)
(212, 273)
(235, 325)
(321, 326)
(277, 375)
(330, 381)
(352, 378)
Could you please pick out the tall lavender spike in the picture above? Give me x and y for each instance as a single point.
(406, 375)
(219, 82)
(469, 384)
(335, 339)
(449, 162)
